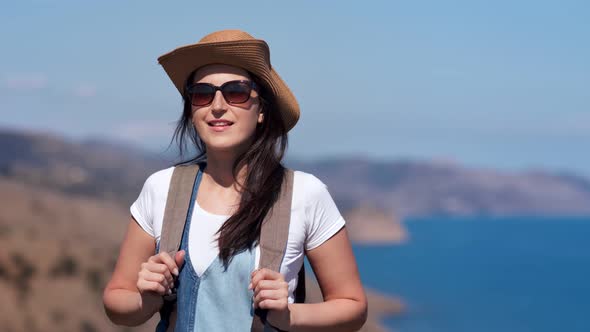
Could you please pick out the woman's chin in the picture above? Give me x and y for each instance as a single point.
(225, 147)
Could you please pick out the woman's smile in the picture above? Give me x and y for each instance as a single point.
(219, 125)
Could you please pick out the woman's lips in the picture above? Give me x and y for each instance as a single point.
(219, 125)
(220, 128)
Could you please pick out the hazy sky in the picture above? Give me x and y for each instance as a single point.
(486, 83)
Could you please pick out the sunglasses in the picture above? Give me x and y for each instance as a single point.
(234, 92)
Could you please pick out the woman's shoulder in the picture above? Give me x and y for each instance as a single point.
(308, 188)
(160, 178)
(307, 180)
(321, 216)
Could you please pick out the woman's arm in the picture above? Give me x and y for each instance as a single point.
(345, 303)
(139, 280)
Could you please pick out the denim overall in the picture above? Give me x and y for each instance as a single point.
(218, 300)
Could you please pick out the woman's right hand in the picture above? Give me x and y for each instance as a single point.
(140, 278)
(158, 272)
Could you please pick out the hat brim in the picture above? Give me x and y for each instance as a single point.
(251, 55)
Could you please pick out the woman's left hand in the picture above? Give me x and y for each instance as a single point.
(271, 292)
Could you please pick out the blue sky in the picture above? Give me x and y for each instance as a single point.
(485, 83)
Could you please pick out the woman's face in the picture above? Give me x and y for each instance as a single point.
(237, 133)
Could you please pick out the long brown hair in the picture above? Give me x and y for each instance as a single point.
(264, 174)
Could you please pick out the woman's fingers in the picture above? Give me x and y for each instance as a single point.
(272, 305)
(264, 274)
(158, 268)
(269, 293)
(270, 284)
(179, 258)
(156, 274)
(151, 286)
(161, 269)
(147, 282)
(156, 277)
(164, 258)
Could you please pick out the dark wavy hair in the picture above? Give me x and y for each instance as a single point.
(264, 174)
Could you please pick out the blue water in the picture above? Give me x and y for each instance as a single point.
(504, 274)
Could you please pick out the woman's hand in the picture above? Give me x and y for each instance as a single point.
(131, 296)
(271, 292)
(156, 274)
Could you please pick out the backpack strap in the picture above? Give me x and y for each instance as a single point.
(177, 203)
(175, 214)
(273, 243)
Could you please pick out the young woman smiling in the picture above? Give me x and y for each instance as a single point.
(237, 112)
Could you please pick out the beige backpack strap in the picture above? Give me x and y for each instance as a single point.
(273, 237)
(175, 213)
(179, 196)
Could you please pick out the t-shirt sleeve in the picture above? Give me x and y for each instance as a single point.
(141, 209)
(323, 217)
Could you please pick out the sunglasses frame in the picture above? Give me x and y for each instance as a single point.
(251, 84)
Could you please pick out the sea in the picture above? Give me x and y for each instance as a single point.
(486, 274)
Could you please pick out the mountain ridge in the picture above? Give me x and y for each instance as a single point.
(401, 188)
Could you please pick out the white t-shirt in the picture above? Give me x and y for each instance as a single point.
(314, 219)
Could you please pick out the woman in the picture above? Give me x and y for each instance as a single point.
(241, 133)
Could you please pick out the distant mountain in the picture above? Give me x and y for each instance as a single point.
(412, 188)
(397, 188)
(90, 168)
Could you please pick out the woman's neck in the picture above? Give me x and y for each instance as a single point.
(220, 169)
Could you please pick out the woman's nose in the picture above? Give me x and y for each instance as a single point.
(218, 102)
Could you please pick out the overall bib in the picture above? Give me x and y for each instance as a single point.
(219, 299)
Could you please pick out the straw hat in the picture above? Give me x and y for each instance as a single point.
(237, 48)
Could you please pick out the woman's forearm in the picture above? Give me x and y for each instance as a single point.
(130, 308)
(332, 315)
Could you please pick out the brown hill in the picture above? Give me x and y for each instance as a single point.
(59, 252)
(91, 169)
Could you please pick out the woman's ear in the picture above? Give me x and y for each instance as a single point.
(260, 117)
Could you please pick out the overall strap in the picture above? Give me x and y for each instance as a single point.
(273, 238)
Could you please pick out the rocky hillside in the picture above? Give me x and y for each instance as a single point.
(58, 251)
(94, 169)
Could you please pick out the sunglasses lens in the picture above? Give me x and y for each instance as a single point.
(201, 94)
(236, 92)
